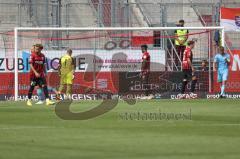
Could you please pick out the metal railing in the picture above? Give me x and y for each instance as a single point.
(173, 54)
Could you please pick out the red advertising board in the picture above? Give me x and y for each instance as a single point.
(139, 40)
(83, 82)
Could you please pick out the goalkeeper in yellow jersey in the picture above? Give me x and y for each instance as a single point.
(66, 70)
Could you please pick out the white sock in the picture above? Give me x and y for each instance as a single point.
(222, 90)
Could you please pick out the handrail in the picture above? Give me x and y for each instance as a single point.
(96, 13)
(174, 49)
(197, 13)
(173, 62)
(144, 16)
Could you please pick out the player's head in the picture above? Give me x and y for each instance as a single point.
(221, 49)
(33, 49)
(204, 63)
(69, 52)
(38, 48)
(181, 23)
(191, 44)
(144, 48)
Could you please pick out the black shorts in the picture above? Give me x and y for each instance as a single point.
(188, 74)
(38, 81)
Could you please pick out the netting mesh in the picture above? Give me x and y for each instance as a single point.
(109, 61)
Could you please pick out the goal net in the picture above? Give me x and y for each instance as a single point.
(108, 60)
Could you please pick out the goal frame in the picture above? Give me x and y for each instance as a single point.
(94, 29)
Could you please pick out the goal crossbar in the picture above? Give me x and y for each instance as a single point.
(118, 28)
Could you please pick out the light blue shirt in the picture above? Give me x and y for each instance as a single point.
(221, 61)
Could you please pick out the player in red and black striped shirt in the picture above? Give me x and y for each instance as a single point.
(37, 73)
(188, 68)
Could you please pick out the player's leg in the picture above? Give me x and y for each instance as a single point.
(184, 84)
(144, 81)
(222, 93)
(43, 84)
(220, 80)
(61, 86)
(185, 80)
(40, 96)
(69, 91)
(148, 92)
(182, 52)
(53, 90)
(33, 83)
(193, 86)
(193, 83)
(224, 80)
(69, 82)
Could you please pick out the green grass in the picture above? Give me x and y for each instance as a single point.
(213, 132)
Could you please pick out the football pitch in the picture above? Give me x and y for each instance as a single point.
(186, 129)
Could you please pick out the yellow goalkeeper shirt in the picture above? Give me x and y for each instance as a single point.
(67, 64)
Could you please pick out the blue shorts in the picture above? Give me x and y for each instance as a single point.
(222, 75)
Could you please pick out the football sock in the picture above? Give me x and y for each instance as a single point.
(222, 89)
(60, 89)
(69, 90)
(193, 84)
(30, 92)
(45, 90)
(184, 83)
(40, 94)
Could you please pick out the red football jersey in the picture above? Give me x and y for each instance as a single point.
(38, 62)
(187, 55)
(146, 56)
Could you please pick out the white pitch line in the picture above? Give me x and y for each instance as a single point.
(24, 127)
(237, 124)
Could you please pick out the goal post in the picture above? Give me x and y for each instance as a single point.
(87, 39)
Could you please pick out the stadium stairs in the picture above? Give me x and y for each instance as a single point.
(174, 11)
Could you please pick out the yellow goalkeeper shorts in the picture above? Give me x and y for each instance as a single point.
(67, 78)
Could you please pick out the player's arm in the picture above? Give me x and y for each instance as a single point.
(189, 60)
(191, 65)
(31, 66)
(73, 63)
(186, 38)
(214, 66)
(33, 69)
(228, 60)
(177, 37)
